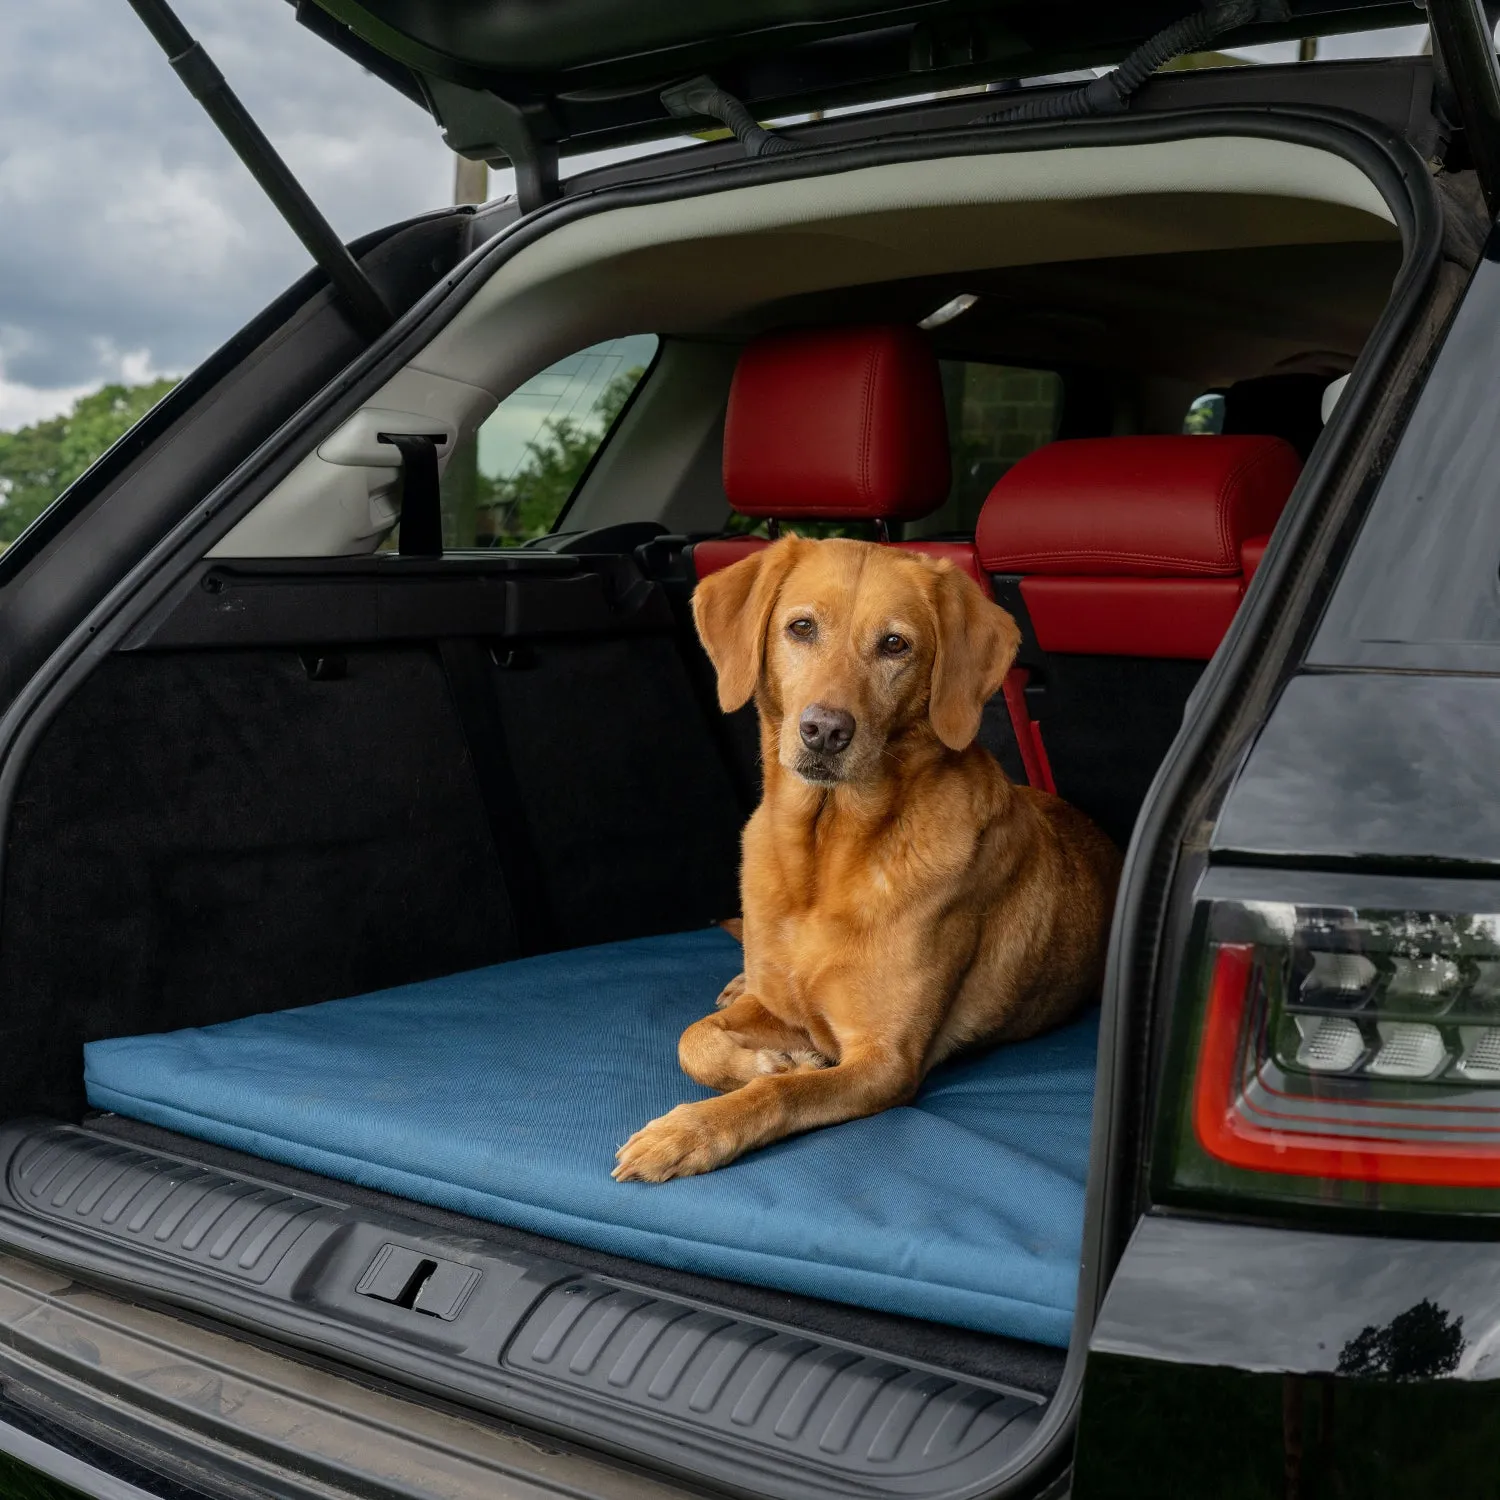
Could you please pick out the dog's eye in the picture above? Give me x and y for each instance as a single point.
(801, 629)
(894, 645)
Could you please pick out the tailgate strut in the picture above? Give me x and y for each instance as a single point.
(1463, 41)
(206, 84)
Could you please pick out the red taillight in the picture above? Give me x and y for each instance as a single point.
(1352, 1045)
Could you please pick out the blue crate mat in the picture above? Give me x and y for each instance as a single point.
(503, 1093)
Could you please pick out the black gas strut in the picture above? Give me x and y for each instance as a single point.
(206, 84)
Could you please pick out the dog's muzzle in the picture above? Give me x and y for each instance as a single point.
(820, 770)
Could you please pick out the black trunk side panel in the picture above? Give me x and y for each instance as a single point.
(207, 835)
(214, 830)
(630, 806)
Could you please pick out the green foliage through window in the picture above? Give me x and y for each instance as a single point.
(37, 463)
(511, 483)
(1205, 417)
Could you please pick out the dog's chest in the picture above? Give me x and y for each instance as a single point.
(821, 875)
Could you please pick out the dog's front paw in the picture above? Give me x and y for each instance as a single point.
(681, 1143)
(731, 992)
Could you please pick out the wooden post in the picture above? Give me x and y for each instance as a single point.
(471, 180)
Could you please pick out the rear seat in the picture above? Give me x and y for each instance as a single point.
(849, 424)
(836, 424)
(1124, 559)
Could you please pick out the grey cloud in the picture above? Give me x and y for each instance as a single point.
(127, 226)
(126, 223)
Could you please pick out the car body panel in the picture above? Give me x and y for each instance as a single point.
(1420, 590)
(1243, 1360)
(1192, 1291)
(1371, 767)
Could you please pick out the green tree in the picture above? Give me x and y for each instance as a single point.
(527, 503)
(39, 462)
(1205, 416)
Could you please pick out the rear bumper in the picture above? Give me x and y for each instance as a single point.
(27, 1460)
(123, 1401)
(1241, 1360)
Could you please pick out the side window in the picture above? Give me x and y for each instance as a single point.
(1205, 416)
(997, 414)
(510, 484)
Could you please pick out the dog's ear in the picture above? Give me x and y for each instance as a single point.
(976, 643)
(732, 608)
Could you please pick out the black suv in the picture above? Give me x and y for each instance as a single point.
(369, 823)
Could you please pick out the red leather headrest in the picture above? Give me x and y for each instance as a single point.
(839, 423)
(1148, 507)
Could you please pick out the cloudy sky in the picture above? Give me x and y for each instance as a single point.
(131, 240)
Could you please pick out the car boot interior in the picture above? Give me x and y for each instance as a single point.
(317, 770)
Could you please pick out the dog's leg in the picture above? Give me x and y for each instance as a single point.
(743, 1041)
(698, 1137)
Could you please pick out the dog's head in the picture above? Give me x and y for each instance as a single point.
(852, 648)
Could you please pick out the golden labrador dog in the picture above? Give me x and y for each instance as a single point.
(902, 898)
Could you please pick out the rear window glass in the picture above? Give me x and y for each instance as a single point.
(510, 483)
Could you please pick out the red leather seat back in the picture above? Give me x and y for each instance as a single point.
(961, 554)
(716, 552)
(1136, 546)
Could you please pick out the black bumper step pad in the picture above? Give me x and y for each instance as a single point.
(744, 1403)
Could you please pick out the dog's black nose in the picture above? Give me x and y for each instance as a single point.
(826, 730)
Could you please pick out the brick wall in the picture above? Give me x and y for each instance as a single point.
(996, 415)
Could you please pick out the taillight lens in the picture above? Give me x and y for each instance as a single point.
(1346, 1042)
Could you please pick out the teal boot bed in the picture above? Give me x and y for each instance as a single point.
(503, 1092)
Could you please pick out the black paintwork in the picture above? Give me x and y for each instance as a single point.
(1196, 1433)
(1273, 1359)
(1233, 1360)
(1262, 1299)
(1420, 589)
(1369, 766)
(594, 69)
